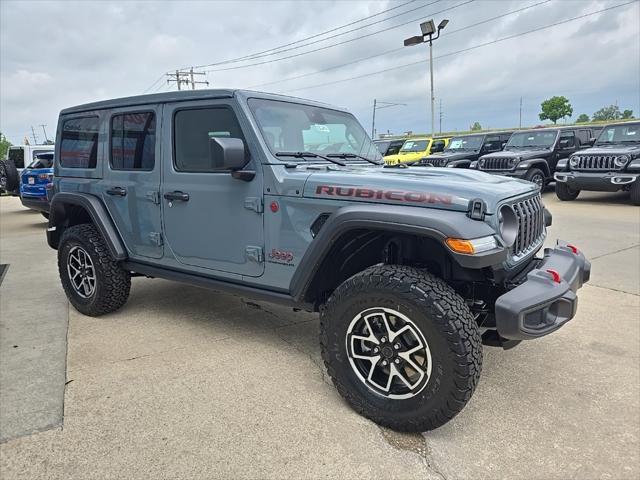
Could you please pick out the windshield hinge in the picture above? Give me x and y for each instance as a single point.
(254, 203)
(477, 209)
(156, 237)
(154, 196)
(254, 254)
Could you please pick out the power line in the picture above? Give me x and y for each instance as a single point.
(159, 79)
(274, 50)
(509, 37)
(339, 43)
(386, 52)
(185, 78)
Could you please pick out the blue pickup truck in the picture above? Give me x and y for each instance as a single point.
(35, 181)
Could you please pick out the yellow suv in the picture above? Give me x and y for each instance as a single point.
(414, 149)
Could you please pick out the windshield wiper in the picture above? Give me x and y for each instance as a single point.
(344, 156)
(304, 155)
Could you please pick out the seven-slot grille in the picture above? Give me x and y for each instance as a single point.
(531, 230)
(496, 164)
(436, 162)
(595, 162)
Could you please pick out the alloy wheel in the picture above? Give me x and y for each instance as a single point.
(388, 353)
(81, 272)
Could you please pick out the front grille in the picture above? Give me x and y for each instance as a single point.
(531, 229)
(496, 164)
(436, 162)
(594, 162)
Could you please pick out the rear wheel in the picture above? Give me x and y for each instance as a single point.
(535, 175)
(565, 193)
(401, 347)
(94, 283)
(635, 192)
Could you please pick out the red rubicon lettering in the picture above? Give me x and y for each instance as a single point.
(364, 193)
(344, 192)
(324, 189)
(444, 199)
(391, 195)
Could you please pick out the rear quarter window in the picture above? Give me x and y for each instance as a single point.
(79, 142)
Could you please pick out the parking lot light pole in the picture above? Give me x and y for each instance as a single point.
(428, 29)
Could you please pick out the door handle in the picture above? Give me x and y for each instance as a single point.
(119, 191)
(171, 196)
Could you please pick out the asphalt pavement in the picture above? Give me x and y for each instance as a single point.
(188, 383)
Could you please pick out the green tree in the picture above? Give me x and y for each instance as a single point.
(612, 112)
(555, 108)
(476, 126)
(4, 145)
(626, 114)
(583, 118)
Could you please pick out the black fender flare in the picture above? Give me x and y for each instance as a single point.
(462, 163)
(540, 163)
(58, 221)
(434, 223)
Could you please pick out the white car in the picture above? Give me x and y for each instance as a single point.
(18, 157)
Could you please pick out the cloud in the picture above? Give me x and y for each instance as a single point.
(95, 50)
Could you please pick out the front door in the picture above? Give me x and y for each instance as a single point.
(211, 220)
(131, 183)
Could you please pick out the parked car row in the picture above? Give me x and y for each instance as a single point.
(577, 157)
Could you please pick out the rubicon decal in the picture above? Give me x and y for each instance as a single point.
(376, 194)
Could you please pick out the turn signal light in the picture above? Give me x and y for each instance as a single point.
(573, 248)
(460, 246)
(555, 275)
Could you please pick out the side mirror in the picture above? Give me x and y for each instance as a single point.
(227, 153)
(502, 145)
(564, 143)
(590, 142)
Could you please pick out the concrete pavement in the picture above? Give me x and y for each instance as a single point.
(183, 382)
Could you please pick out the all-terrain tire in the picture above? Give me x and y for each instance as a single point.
(634, 192)
(112, 283)
(9, 178)
(535, 175)
(565, 193)
(443, 319)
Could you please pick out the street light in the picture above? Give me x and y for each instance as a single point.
(428, 30)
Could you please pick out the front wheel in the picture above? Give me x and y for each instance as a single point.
(634, 193)
(94, 283)
(535, 175)
(401, 346)
(565, 193)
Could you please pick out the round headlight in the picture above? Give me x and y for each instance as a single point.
(621, 160)
(508, 224)
(513, 161)
(573, 161)
(481, 162)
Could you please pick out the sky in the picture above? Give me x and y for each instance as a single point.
(56, 54)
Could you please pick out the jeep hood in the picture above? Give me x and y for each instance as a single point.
(454, 155)
(614, 149)
(450, 189)
(522, 154)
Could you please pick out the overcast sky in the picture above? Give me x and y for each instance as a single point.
(56, 54)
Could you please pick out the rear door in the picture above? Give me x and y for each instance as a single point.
(131, 184)
(214, 221)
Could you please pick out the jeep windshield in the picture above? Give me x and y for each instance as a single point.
(625, 133)
(541, 139)
(414, 146)
(312, 133)
(465, 143)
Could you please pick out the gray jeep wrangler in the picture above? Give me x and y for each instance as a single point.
(285, 200)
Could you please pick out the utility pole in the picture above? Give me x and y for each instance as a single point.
(520, 122)
(33, 133)
(378, 106)
(186, 77)
(45, 133)
(440, 116)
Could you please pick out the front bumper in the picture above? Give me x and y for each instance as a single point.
(507, 173)
(599, 182)
(547, 298)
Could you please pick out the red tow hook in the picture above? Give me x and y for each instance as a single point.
(555, 275)
(573, 248)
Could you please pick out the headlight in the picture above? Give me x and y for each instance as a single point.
(508, 224)
(573, 161)
(621, 160)
(513, 161)
(481, 162)
(473, 246)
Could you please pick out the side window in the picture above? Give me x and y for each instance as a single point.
(492, 144)
(133, 141)
(584, 135)
(438, 146)
(79, 143)
(567, 140)
(394, 148)
(16, 155)
(192, 131)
